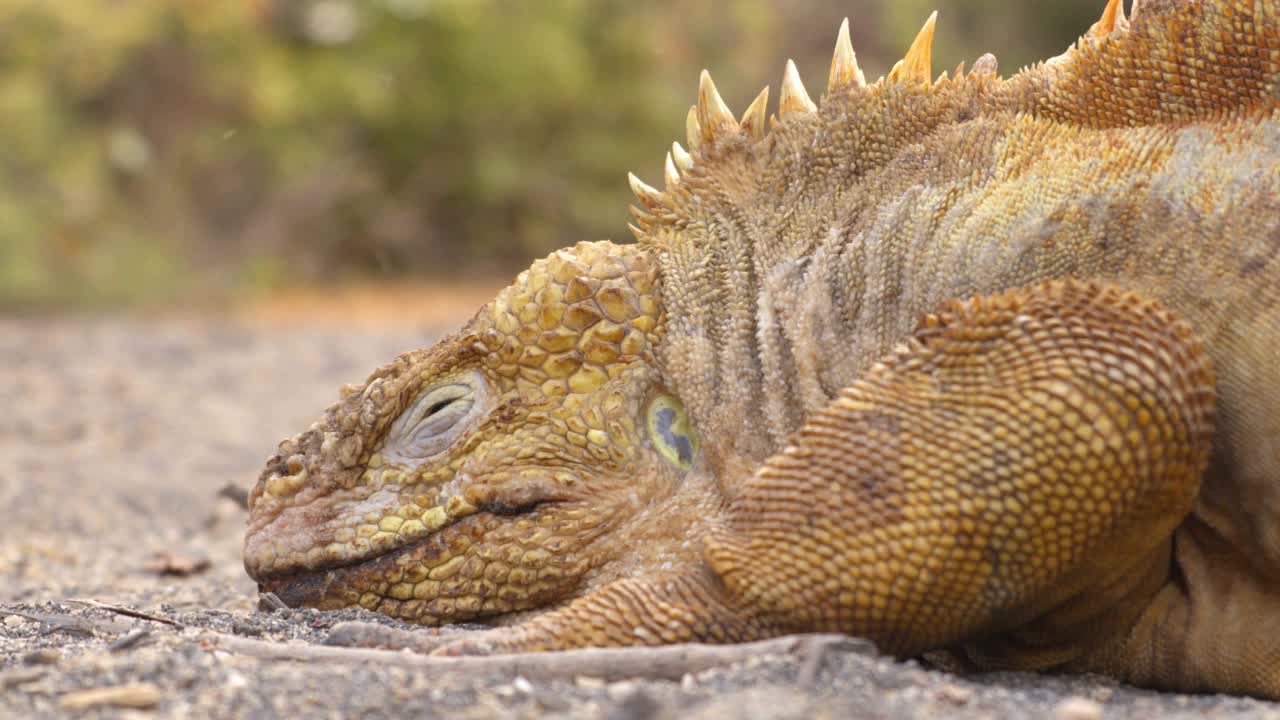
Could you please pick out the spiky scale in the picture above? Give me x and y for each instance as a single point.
(753, 119)
(986, 65)
(669, 172)
(642, 216)
(683, 159)
(844, 64)
(916, 67)
(1112, 18)
(714, 117)
(693, 128)
(648, 195)
(793, 98)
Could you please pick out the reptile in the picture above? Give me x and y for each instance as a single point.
(985, 368)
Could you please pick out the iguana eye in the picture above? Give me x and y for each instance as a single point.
(439, 415)
(670, 431)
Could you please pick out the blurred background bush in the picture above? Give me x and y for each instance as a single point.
(161, 149)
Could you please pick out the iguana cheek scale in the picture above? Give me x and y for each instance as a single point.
(969, 364)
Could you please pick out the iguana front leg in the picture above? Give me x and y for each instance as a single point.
(1007, 482)
(1008, 478)
(684, 605)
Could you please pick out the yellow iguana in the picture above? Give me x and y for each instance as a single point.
(976, 365)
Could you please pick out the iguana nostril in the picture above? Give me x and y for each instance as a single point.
(294, 464)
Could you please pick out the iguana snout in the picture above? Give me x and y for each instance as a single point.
(477, 477)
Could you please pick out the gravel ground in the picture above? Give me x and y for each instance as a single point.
(120, 440)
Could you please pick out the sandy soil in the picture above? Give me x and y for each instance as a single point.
(117, 450)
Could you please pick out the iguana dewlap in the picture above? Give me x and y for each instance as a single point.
(975, 365)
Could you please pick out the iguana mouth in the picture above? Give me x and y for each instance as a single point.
(325, 586)
(346, 582)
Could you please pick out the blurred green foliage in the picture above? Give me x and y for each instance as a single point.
(152, 149)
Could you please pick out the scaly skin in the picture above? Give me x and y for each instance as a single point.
(742, 427)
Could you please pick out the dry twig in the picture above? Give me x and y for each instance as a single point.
(122, 610)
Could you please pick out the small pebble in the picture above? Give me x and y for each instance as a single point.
(636, 704)
(957, 694)
(587, 682)
(43, 656)
(137, 695)
(1077, 708)
(620, 690)
(14, 621)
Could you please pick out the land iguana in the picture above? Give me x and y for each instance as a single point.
(979, 366)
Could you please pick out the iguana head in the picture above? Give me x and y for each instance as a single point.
(587, 423)
(476, 477)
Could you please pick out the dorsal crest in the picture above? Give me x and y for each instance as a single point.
(710, 124)
(1166, 63)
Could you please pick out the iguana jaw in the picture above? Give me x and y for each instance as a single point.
(482, 476)
(476, 566)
